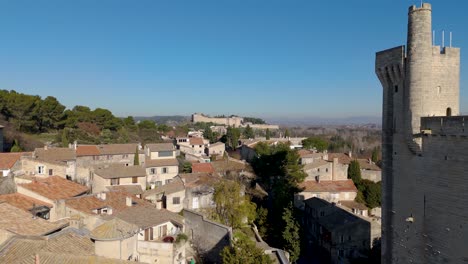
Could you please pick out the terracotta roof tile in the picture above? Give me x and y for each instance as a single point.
(365, 164)
(115, 149)
(328, 186)
(161, 162)
(176, 185)
(109, 171)
(149, 216)
(8, 160)
(193, 180)
(113, 230)
(352, 204)
(134, 189)
(160, 147)
(203, 168)
(69, 246)
(315, 164)
(114, 199)
(55, 188)
(196, 141)
(20, 222)
(342, 157)
(21, 201)
(87, 150)
(304, 152)
(55, 154)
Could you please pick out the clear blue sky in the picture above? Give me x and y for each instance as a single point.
(266, 58)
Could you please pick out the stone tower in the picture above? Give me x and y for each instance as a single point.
(423, 145)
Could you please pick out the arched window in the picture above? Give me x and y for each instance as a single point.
(449, 111)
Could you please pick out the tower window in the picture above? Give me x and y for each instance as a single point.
(439, 89)
(449, 111)
(396, 88)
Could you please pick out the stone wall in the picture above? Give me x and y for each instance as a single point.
(208, 237)
(424, 158)
(228, 121)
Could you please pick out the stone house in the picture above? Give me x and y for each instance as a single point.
(170, 196)
(161, 163)
(149, 238)
(331, 191)
(11, 162)
(161, 171)
(193, 145)
(116, 175)
(370, 171)
(308, 156)
(199, 190)
(343, 235)
(320, 170)
(50, 161)
(160, 151)
(87, 156)
(50, 190)
(215, 149)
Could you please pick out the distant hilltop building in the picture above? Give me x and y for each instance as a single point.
(424, 149)
(234, 121)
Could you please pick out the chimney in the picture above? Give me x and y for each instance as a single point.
(128, 201)
(334, 168)
(75, 144)
(36, 259)
(159, 204)
(102, 196)
(350, 154)
(45, 147)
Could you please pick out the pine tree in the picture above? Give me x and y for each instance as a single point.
(286, 133)
(268, 134)
(248, 132)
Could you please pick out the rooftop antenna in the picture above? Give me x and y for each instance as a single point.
(450, 38)
(421, 3)
(433, 37)
(443, 38)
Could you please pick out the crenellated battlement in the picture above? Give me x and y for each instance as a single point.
(447, 51)
(425, 6)
(445, 125)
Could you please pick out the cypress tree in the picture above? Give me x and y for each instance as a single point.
(136, 159)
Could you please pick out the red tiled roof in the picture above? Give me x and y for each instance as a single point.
(328, 186)
(202, 167)
(22, 201)
(114, 199)
(87, 150)
(196, 141)
(8, 160)
(55, 188)
(342, 157)
(304, 152)
(365, 164)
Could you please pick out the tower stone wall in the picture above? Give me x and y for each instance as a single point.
(424, 151)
